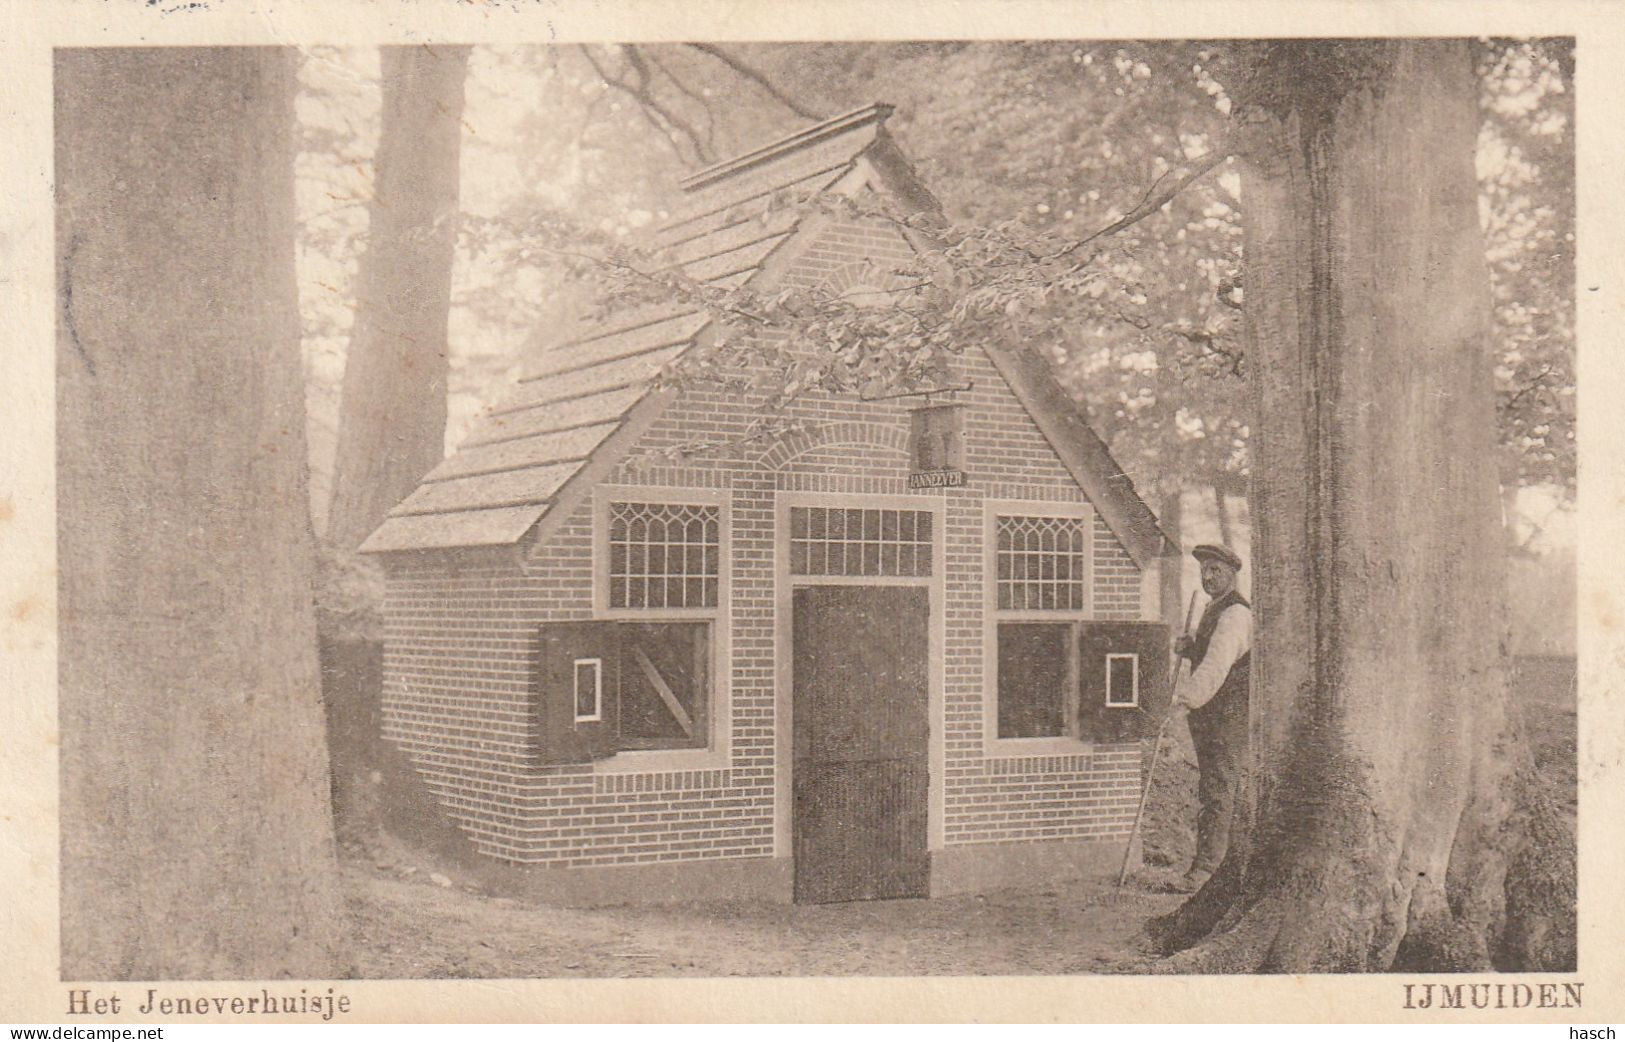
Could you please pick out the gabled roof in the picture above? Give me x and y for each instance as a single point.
(522, 452)
(581, 404)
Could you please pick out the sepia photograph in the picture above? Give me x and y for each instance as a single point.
(1078, 507)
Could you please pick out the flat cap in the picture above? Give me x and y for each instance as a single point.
(1217, 552)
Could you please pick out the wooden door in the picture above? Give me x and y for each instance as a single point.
(861, 732)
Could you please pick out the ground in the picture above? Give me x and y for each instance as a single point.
(415, 928)
(416, 916)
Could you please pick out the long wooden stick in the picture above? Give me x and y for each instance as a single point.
(1156, 757)
(1145, 794)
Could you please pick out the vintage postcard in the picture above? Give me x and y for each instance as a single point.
(1027, 512)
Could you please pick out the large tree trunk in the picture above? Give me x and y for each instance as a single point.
(392, 415)
(196, 835)
(1221, 507)
(1391, 819)
(1170, 570)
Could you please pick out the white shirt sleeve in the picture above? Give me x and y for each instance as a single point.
(1232, 638)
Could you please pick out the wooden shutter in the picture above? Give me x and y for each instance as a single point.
(1035, 675)
(665, 685)
(561, 737)
(1099, 721)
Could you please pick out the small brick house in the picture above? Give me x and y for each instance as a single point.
(904, 651)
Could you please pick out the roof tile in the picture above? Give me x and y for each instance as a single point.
(637, 371)
(733, 262)
(554, 416)
(608, 347)
(743, 232)
(503, 489)
(694, 225)
(553, 447)
(497, 527)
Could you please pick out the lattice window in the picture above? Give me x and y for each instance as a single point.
(663, 556)
(1041, 563)
(841, 541)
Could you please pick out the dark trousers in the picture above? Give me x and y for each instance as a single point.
(1219, 731)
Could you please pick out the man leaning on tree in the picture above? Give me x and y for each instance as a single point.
(1215, 695)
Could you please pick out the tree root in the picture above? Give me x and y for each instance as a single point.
(1242, 948)
(1324, 921)
(1440, 942)
(1283, 934)
(1539, 933)
(1205, 912)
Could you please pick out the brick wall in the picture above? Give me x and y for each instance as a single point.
(461, 638)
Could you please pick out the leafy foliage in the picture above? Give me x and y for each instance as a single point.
(1031, 148)
(1526, 177)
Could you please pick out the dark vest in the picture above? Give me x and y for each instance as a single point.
(1236, 683)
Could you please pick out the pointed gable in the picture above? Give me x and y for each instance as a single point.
(577, 393)
(578, 407)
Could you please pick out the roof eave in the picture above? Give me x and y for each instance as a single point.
(894, 171)
(876, 113)
(1084, 453)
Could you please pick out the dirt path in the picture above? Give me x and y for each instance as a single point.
(413, 928)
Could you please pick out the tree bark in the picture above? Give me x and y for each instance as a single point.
(196, 836)
(392, 413)
(1391, 820)
(1170, 570)
(1222, 507)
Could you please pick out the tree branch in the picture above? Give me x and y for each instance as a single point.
(645, 96)
(1538, 380)
(1152, 202)
(693, 95)
(667, 122)
(625, 268)
(756, 77)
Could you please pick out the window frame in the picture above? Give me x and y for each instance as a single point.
(993, 616)
(651, 495)
(1041, 614)
(925, 550)
(1134, 679)
(715, 753)
(705, 731)
(597, 714)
